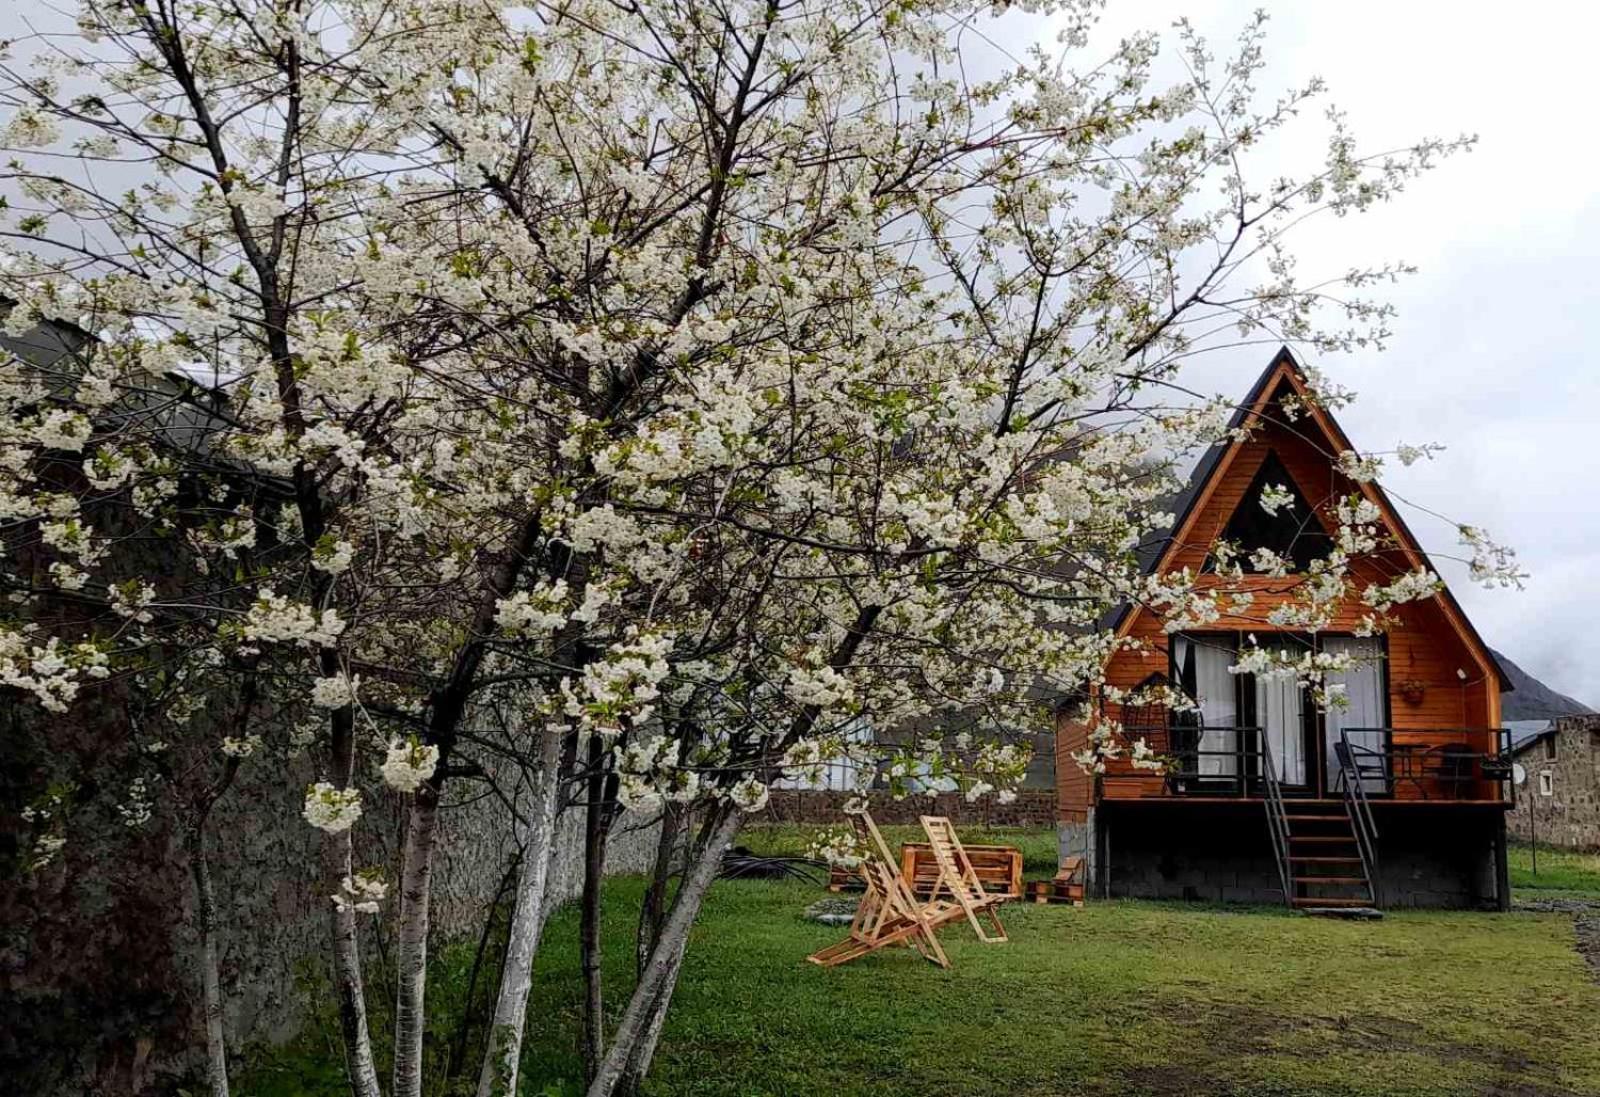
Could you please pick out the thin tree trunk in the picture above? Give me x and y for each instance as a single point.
(352, 995)
(654, 992)
(501, 1057)
(411, 964)
(653, 910)
(206, 916)
(596, 832)
(338, 855)
(458, 1046)
(210, 981)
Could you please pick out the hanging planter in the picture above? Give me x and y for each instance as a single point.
(1412, 691)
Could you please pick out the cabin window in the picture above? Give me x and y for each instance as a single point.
(1364, 717)
(1234, 709)
(1550, 748)
(1291, 529)
(1547, 783)
(1201, 666)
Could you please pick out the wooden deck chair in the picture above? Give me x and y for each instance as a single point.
(960, 879)
(888, 914)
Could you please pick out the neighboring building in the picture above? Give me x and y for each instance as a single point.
(1558, 803)
(1422, 723)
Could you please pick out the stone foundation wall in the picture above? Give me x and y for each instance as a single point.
(1570, 816)
(1033, 807)
(1225, 855)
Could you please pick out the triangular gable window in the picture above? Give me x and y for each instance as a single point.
(1293, 532)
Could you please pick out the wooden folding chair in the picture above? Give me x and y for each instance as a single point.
(888, 914)
(960, 879)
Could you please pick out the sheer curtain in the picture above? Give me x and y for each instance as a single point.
(1363, 684)
(1214, 691)
(1281, 715)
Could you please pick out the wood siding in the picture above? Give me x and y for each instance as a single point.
(1074, 788)
(1426, 646)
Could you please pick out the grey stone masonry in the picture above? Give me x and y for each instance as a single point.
(1559, 803)
(1427, 857)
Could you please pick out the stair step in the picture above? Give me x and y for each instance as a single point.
(1326, 860)
(1362, 880)
(1318, 901)
(1322, 838)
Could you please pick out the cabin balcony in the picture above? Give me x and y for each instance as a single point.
(1398, 765)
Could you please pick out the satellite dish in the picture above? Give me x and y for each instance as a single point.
(1518, 774)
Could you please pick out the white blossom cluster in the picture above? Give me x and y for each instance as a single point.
(361, 893)
(408, 764)
(336, 691)
(330, 808)
(275, 617)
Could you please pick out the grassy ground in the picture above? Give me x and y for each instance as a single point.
(1562, 874)
(1115, 998)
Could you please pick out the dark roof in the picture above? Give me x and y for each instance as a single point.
(1525, 733)
(1152, 549)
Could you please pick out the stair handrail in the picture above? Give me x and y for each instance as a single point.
(1277, 819)
(1359, 808)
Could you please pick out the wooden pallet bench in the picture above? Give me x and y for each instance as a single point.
(999, 868)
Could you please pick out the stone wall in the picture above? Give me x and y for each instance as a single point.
(99, 988)
(1033, 807)
(1570, 816)
(1225, 855)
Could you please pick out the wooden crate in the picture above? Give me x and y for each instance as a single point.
(999, 868)
(845, 879)
(1067, 887)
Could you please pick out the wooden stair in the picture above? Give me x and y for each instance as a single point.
(1325, 866)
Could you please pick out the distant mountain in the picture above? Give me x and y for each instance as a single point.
(1533, 700)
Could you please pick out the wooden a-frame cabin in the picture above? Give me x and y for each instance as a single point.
(1398, 799)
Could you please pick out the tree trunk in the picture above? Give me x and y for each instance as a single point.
(411, 964)
(653, 910)
(498, 1078)
(628, 1056)
(458, 1046)
(338, 854)
(210, 982)
(206, 916)
(348, 986)
(596, 830)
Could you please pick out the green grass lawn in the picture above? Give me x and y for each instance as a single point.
(1115, 998)
(1562, 873)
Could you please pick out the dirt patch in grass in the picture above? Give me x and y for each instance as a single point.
(1585, 924)
(1223, 1035)
(1587, 928)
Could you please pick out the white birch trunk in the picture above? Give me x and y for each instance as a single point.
(654, 991)
(210, 981)
(411, 963)
(352, 995)
(498, 1078)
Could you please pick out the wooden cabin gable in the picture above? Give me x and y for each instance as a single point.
(1438, 682)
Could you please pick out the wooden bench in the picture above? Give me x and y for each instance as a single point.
(999, 868)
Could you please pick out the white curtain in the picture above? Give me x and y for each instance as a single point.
(1363, 684)
(1219, 709)
(1280, 715)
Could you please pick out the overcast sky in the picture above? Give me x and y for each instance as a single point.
(1490, 354)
